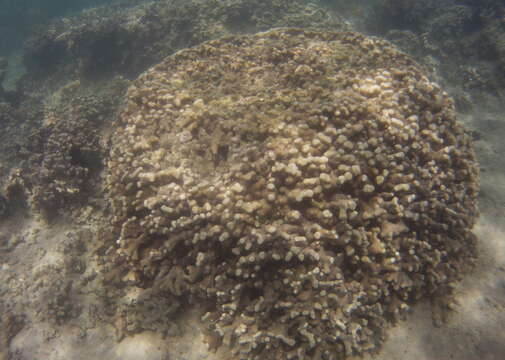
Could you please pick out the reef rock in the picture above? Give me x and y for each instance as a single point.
(303, 187)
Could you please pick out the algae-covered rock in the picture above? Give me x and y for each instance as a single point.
(303, 187)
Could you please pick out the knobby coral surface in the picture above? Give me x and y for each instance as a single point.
(303, 187)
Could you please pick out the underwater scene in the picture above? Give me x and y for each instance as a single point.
(252, 180)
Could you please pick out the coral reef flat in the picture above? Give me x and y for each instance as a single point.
(186, 180)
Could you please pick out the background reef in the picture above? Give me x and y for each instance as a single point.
(57, 120)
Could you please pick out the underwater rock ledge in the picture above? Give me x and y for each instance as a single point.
(303, 187)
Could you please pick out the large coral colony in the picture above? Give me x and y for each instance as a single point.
(301, 187)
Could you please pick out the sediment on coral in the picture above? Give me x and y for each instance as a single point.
(303, 187)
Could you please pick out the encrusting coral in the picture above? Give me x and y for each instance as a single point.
(304, 187)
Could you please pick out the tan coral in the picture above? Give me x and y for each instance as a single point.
(305, 198)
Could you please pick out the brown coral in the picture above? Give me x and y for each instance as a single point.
(306, 186)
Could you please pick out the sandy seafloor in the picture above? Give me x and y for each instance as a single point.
(475, 330)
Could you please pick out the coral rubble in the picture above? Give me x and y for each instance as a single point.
(303, 186)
